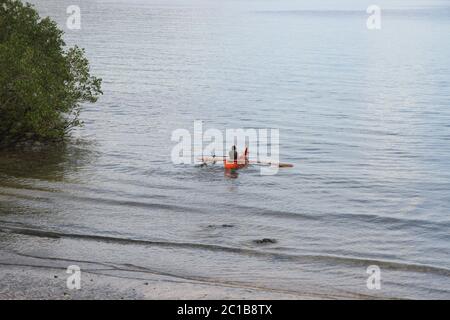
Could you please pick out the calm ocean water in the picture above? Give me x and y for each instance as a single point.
(364, 116)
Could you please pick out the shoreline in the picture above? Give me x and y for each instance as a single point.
(25, 278)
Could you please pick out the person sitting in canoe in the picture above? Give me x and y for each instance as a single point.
(235, 162)
(233, 155)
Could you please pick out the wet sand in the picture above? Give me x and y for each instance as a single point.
(26, 277)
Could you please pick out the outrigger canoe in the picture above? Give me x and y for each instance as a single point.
(239, 165)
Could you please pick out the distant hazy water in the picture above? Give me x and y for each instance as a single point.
(364, 116)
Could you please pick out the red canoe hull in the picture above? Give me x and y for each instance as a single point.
(233, 165)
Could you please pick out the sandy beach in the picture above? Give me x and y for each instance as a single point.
(26, 277)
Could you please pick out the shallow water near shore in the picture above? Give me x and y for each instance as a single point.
(363, 115)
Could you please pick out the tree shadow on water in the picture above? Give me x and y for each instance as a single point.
(55, 162)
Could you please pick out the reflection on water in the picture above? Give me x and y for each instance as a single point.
(232, 174)
(46, 162)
